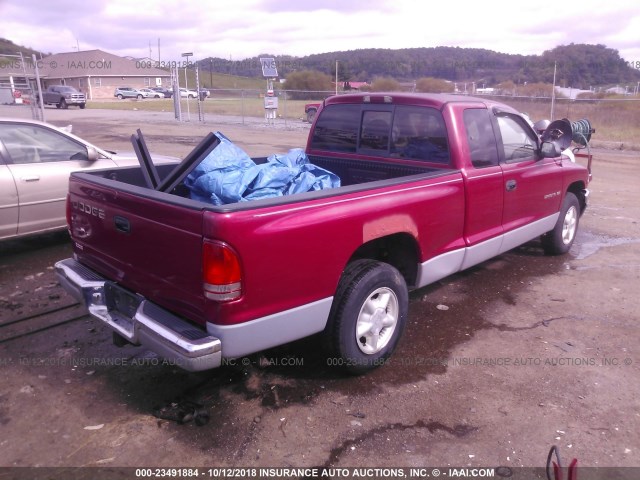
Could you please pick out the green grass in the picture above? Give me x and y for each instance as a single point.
(222, 81)
(614, 120)
(219, 103)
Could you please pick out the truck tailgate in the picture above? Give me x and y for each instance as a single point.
(147, 245)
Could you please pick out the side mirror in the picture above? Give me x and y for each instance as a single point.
(92, 154)
(556, 138)
(549, 150)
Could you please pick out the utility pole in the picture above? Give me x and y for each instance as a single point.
(553, 92)
(186, 86)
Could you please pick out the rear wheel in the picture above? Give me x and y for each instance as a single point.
(139, 97)
(120, 96)
(559, 240)
(367, 317)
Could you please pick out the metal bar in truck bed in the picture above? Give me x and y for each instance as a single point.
(196, 155)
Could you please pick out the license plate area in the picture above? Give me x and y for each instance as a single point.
(121, 302)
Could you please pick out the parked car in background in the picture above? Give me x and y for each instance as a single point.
(148, 93)
(185, 93)
(128, 92)
(35, 162)
(62, 96)
(163, 91)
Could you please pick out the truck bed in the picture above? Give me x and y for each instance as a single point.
(355, 175)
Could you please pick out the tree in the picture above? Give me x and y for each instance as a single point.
(433, 85)
(507, 88)
(306, 82)
(385, 84)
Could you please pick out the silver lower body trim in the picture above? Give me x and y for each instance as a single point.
(273, 330)
(153, 327)
(449, 263)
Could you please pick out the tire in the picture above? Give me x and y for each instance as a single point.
(82, 105)
(63, 104)
(139, 97)
(559, 240)
(120, 96)
(367, 317)
(311, 114)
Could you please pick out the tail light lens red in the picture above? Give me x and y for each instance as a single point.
(221, 272)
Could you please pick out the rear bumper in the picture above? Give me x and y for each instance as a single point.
(151, 326)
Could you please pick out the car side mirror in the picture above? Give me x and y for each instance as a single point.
(92, 154)
(556, 138)
(549, 150)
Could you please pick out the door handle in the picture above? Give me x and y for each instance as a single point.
(33, 178)
(511, 185)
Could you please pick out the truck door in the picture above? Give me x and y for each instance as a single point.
(532, 186)
(484, 196)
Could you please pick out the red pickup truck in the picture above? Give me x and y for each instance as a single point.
(431, 185)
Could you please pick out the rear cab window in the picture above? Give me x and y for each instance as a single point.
(415, 133)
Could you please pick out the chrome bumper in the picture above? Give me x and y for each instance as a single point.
(149, 325)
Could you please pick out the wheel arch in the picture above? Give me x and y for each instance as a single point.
(400, 250)
(578, 189)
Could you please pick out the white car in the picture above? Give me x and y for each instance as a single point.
(184, 93)
(148, 93)
(35, 162)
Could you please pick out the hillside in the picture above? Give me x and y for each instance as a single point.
(579, 65)
(7, 47)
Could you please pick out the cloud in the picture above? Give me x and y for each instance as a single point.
(245, 28)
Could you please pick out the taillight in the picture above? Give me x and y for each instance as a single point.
(221, 273)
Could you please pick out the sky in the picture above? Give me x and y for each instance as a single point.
(239, 29)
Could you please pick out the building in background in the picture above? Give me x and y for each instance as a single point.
(97, 73)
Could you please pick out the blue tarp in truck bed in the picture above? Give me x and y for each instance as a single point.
(229, 175)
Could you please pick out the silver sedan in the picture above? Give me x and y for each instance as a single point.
(35, 162)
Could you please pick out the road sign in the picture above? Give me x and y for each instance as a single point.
(269, 69)
(188, 54)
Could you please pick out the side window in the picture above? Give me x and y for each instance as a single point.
(376, 127)
(35, 144)
(419, 133)
(517, 141)
(336, 129)
(481, 139)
